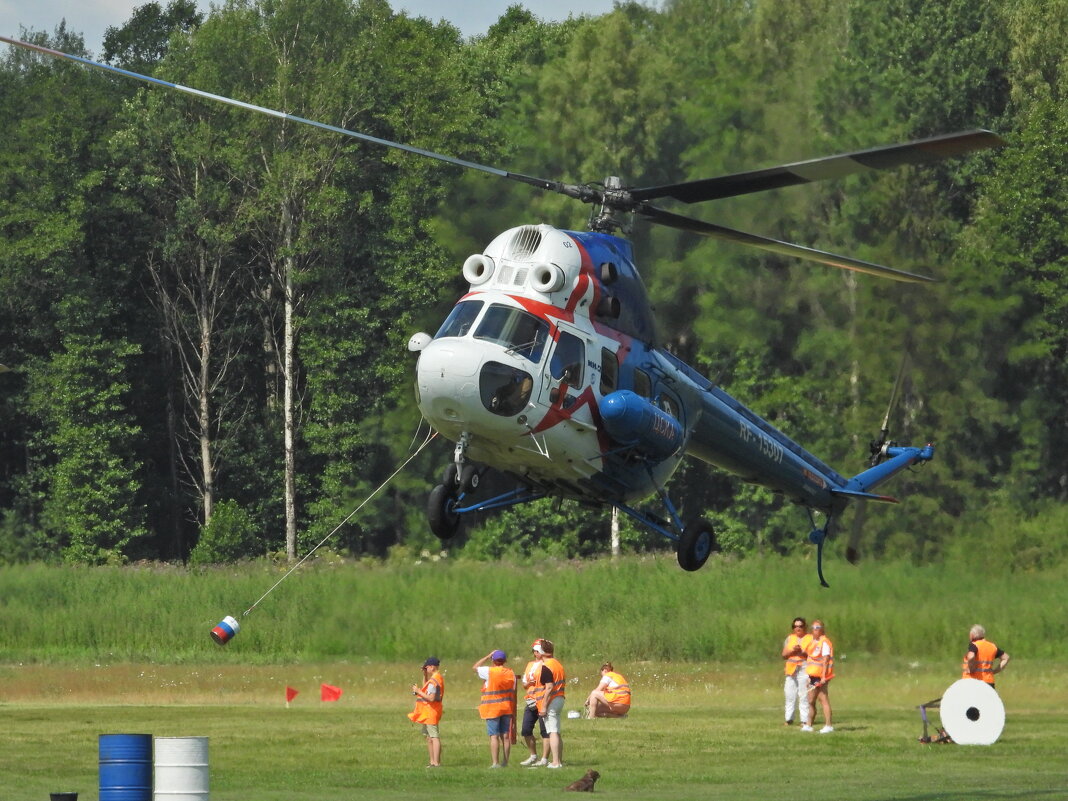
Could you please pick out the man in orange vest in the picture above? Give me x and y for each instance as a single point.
(795, 688)
(532, 683)
(428, 707)
(551, 701)
(497, 706)
(981, 656)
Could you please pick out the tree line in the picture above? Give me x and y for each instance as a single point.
(205, 310)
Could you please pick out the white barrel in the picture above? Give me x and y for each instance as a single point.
(181, 772)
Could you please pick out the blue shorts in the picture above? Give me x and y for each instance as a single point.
(499, 726)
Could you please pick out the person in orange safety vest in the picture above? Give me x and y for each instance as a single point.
(611, 697)
(428, 707)
(820, 669)
(532, 682)
(551, 701)
(980, 658)
(497, 705)
(795, 686)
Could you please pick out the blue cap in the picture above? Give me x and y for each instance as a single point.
(432, 660)
(498, 654)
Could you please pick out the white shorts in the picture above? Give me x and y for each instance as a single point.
(552, 715)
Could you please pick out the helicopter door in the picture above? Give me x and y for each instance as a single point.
(567, 373)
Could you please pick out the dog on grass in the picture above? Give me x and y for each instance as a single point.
(585, 784)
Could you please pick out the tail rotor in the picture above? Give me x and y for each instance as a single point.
(877, 454)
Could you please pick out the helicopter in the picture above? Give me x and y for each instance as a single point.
(548, 369)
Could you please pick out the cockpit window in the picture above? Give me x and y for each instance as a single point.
(514, 329)
(460, 319)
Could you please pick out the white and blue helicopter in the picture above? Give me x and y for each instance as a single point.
(549, 370)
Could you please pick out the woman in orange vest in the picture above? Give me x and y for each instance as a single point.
(820, 669)
(981, 655)
(532, 683)
(497, 705)
(611, 697)
(428, 707)
(795, 687)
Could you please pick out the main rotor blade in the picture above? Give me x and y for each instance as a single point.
(580, 192)
(775, 246)
(803, 172)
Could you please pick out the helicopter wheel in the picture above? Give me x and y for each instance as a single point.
(449, 477)
(443, 521)
(470, 476)
(696, 544)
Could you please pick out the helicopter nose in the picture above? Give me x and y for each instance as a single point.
(446, 383)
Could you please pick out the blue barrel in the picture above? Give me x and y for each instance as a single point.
(125, 767)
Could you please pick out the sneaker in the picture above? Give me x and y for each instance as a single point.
(553, 767)
(807, 728)
(541, 763)
(494, 766)
(826, 729)
(530, 760)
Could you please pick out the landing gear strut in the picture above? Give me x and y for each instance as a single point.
(459, 479)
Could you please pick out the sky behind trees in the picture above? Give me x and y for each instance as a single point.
(92, 17)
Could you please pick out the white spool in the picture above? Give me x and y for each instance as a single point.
(181, 769)
(972, 712)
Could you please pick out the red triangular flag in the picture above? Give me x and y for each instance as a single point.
(329, 692)
(290, 693)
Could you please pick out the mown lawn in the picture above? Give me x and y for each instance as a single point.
(697, 732)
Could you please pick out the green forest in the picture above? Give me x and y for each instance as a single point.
(204, 312)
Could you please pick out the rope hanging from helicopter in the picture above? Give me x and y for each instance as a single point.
(431, 435)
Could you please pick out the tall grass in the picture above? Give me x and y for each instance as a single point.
(631, 609)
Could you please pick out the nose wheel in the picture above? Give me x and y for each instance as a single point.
(444, 522)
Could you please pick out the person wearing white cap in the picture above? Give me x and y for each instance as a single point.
(497, 706)
(532, 683)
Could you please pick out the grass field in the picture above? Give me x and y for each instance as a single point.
(697, 732)
(85, 652)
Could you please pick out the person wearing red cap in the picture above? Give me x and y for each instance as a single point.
(497, 706)
(532, 683)
(428, 707)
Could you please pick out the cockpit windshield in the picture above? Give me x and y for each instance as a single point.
(460, 319)
(515, 329)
